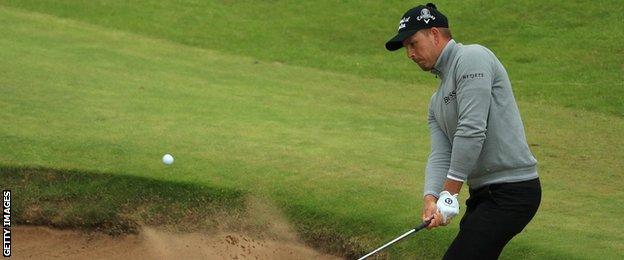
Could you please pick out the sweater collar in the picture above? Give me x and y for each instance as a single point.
(442, 64)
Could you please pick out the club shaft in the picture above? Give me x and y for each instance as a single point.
(388, 244)
(424, 224)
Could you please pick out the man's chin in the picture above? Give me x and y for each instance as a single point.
(424, 68)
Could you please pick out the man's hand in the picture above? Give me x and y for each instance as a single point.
(448, 206)
(430, 211)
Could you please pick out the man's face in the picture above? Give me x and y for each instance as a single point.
(421, 48)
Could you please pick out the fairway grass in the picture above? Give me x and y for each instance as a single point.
(341, 154)
(565, 53)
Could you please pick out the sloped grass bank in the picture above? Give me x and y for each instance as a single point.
(118, 204)
(113, 203)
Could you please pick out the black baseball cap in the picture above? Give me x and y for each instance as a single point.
(414, 20)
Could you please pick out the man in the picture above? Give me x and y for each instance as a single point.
(477, 137)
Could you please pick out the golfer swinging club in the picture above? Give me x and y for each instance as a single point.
(477, 137)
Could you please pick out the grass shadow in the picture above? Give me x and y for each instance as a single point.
(114, 203)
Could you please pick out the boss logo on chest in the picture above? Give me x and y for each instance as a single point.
(450, 97)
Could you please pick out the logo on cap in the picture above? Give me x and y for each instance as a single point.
(425, 15)
(403, 21)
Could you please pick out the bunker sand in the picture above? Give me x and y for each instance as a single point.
(36, 242)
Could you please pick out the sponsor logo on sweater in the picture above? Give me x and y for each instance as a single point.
(450, 97)
(473, 76)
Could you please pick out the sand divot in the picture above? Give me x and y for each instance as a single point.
(262, 234)
(36, 242)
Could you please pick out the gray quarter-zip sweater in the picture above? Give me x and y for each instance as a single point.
(477, 134)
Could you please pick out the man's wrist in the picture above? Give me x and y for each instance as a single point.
(429, 198)
(452, 186)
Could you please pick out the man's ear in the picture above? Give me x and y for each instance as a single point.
(436, 35)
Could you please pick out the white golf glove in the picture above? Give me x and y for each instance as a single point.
(448, 206)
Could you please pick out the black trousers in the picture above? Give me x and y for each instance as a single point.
(494, 215)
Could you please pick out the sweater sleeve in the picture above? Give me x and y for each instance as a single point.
(474, 87)
(439, 158)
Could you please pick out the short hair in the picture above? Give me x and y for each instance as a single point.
(446, 32)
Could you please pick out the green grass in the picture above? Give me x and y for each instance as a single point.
(340, 148)
(115, 203)
(567, 53)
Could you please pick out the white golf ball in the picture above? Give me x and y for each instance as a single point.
(167, 159)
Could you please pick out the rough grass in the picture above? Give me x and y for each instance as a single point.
(115, 203)
(342, 154)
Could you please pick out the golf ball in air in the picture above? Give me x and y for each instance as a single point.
(167, 159)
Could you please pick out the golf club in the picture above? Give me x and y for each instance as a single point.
(414, 230)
